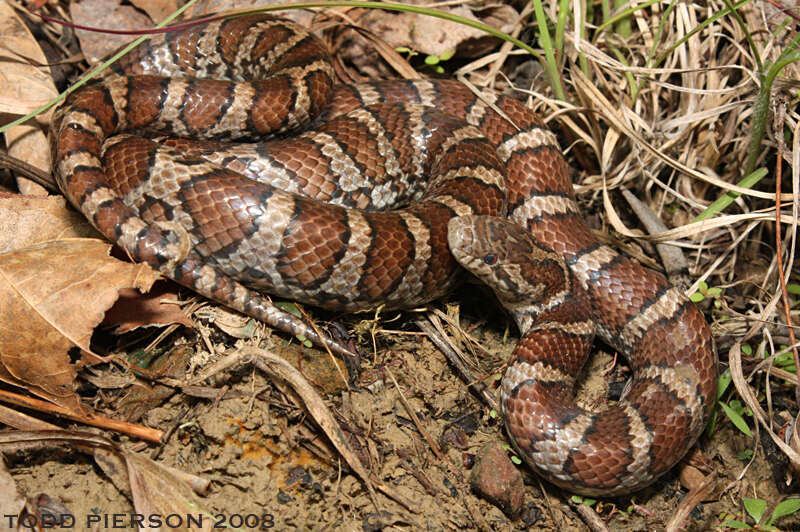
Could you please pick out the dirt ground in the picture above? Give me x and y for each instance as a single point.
(265, 459)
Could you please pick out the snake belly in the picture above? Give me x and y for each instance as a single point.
(305, 217)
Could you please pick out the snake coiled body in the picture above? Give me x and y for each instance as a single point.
(305, 217)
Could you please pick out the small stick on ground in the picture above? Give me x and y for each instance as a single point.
(137, 431)
(672, 257)
(692, 499)
(438, 338)
(589, 517)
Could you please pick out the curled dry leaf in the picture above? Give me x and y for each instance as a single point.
(54, 294)
(157, 491)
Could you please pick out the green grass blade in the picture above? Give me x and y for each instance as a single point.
(721, 203)
(550, 64)
(736, 419)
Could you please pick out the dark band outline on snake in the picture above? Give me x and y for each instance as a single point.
(201, 225)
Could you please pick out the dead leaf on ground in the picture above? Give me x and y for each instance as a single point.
(303, 17)
(105, 14)
(158, 490)
(156, 308)
(54, 294)
(28, 220)
(434, 36)
(26, 86)
(157, 10)
(12, 501)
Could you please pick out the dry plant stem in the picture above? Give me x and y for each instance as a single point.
(22, 440)
(28, 171)
(476, 515)
(137, 431)
(590, 517)
(671, 256)
(784, 9)
(692, 499)
(273, 365)
(327, 349)
(739, 381)
(605, 108)
(779, 243)
(506, 47)
(20, 421)
(436, 336)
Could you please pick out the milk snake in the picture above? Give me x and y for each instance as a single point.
(429, 150)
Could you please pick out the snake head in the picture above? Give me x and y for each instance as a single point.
(526, 276)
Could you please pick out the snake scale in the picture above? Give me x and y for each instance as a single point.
(362, 207)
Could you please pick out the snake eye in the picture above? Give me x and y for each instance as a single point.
(490, 259)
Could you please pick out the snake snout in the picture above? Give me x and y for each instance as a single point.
(461, 237)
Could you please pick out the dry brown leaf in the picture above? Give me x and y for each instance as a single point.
(24, 88)
(156, 308)
(303, 17)
(434, 36)
(157, 490)
(28, 220)
(105, 14)
(54, 294)
(28, 142)
(12, 501)
(157, 10)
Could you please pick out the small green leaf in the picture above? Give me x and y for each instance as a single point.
(746, 455)
(431, 60)
(447, 54)
(735, 524)
(787, 507)
(755, 507)
(577, 499)
(723, 382)
(697, 297)
(402, 50)
(589, 502)
(736, 419)
(303, 340)
(493, 414)
(747, 350)
(515, 460)
(291, 308)
(702, 286)
(714, 291)
(793, 289)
